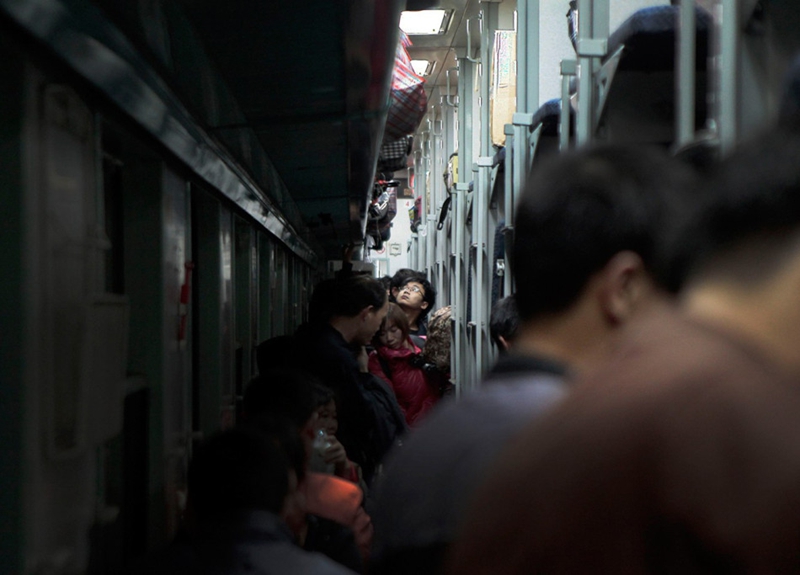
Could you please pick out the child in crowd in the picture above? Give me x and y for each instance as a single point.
(330, 452)
(396, 360)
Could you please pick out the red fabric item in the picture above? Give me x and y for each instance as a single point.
(408, 101)
(339, 500)
(415, 395)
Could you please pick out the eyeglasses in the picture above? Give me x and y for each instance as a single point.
(415, 289)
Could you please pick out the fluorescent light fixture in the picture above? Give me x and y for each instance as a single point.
(421, 67)
(423, 22)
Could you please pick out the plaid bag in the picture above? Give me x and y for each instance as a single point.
(408, 101)
(437, 344)
(393, 155)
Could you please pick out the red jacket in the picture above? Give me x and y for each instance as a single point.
(410, 384)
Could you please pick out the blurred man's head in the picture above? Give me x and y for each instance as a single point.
(590, 240)
(744, 245)
(503, 322)
(285, 393)
(238, 470)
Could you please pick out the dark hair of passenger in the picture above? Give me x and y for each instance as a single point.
(751, 208)
(581, 208)
(281, 392)
(275, 352)
(394, 316)
(386, 281)
(285, 435)
(319, 304)
(504, 320)
(429, 295)
(238, 470)
(345, 297)
(322, 395)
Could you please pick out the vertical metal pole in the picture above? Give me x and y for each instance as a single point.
(729, 61)
(449, 148)
(601, 16)
(527, 88)
(459, 349)
(422, 230)
(685, 86)
(568, 70)
(585, 83)
(522, 55)
(530, 29)
(509, 207)
(413, 261)
(433, 200)
(482, 286)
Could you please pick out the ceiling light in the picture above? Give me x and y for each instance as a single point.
(421, 67)
(423, 22)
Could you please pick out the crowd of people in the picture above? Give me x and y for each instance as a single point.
(642, 416)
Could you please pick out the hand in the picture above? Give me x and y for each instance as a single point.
(337, 455)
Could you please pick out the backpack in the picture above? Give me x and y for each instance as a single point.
(437, 344)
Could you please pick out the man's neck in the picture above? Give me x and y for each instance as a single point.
(575, 338)
(344, 325)
(412, 315)
(766, 318)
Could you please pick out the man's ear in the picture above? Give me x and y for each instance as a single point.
(623, 284)
(362, 315)
(504, 342)
(423, 305)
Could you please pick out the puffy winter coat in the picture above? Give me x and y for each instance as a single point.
(410, 384)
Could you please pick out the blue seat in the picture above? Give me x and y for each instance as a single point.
(649, 39)
(548, 115)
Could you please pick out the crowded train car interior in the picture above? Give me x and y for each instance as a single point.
(177, 175)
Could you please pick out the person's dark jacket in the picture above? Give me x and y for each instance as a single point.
(248, 542)
(426, 486)
(369, 418)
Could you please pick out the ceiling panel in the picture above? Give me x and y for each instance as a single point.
(312, 79)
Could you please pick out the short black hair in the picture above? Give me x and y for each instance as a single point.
(275, 352)
(237, 470)
(429, 295)
(749, 216)
(346, 297)
(281, 392)
(504, 320)
(323, 395)
(582, 207)
(285, 434)
(400, 276)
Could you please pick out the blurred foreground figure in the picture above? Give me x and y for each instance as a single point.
(588, 243)
(681, 455)
(242, 489)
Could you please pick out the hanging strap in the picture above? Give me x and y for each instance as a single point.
(443, 213)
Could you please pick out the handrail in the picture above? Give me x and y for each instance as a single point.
(447, 96)
(469, 39)
(432, 131)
